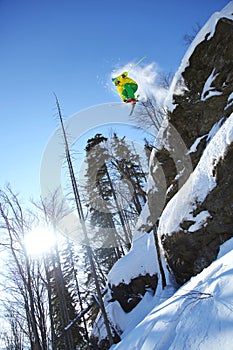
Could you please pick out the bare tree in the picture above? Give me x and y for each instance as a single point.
(60, 296)
(84, 228)
(14, 338)
(15, 223)
(188, 38)
(149, 115)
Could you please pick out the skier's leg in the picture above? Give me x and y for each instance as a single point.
(130, 89)
(125, 94)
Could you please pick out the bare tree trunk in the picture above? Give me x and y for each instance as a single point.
(82, 221)
(119, 210)
(49, 291)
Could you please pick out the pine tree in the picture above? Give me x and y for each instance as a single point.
(70, 264)
(101, 218)
(127, 162)
(111, 208)
(63, 305)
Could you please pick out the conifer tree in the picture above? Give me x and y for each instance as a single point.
(71, 275)
(127, 162)
(110, 162)
(99, 195)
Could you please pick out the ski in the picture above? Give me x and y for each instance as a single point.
(136, 64)
(133, 104)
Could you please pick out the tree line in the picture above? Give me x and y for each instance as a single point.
(42, 295)
(51, 301)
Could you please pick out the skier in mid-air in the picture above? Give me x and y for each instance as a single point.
(126, 87)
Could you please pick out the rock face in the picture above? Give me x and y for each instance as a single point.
(196, 110)
(129, 295)
(203, 106)
(187, 253)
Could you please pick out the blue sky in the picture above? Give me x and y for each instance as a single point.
(71, 47)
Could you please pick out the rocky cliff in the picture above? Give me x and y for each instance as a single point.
(200, 104)
(189, 212)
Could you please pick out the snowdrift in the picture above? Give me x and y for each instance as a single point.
(198, 316)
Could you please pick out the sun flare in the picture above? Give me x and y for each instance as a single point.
(39, 241)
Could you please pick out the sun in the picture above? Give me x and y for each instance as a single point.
(39, 241)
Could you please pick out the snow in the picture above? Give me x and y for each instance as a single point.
(178, 86)
(229, 101)
(193, 148)
(214, 129)
(198, 316)
(199, 184)
(143, 220)
(209, 90)
(128, 321)
(229, 136)
(200, 221)
(134, 263)
(147, 79)
(225, 248)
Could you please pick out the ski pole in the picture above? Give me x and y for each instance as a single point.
(136, 64)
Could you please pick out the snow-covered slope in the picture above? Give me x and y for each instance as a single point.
(198, 316)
